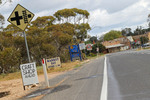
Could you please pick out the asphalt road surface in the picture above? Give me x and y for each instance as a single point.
(117, 76)
(83, 84)
(129, 75)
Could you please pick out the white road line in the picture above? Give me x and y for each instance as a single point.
(103, 95)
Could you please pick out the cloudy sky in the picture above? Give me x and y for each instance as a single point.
(105, 15)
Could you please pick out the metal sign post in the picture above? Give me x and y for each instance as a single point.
(27, 46)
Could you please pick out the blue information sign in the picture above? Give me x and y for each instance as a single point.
(74, 52)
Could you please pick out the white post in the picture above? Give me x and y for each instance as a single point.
(45, 72)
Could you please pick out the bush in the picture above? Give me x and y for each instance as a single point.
(100, 46)
(93, 54)
(84, 56)
(9, 59)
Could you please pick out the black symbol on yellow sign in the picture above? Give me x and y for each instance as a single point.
(26, 16)
(20, 17)
(17, 18)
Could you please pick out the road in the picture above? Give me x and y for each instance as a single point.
(129, 75)
(125, 76)
(83, 84)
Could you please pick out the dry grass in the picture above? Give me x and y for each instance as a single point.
(13, 83)
(10, 76)
(146, 48)
(139, 49)
(65, 67)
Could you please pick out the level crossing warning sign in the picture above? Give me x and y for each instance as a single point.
(20, 17)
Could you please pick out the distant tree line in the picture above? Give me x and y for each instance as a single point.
(138, 31)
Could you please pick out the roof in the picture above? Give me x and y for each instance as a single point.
(113, 46)
(137, 37)
(122, 40)
(130, 38)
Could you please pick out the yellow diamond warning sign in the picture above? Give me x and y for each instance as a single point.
(20, 17)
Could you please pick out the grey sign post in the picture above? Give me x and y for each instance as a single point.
(27, 46)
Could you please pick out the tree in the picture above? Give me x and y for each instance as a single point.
(46, 38)
(93, 38)
(81, 31)
(2, 19)
(9, 59)
(148, 20)
(39, 42)
(112, 35)
(144, 40)
(42, 22)
(126, 32)
(78, 18)
(73, 15)
(64, 15)
(139, 31)
(9, 55)
(100, 46)
(101, 38)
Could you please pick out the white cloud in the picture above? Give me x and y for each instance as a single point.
(133, 15)
(110, 14)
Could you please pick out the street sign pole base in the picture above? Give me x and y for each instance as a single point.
(24, 88)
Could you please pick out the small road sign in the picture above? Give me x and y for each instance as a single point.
(20, 17)
(75, 52)
(29, 74)
(53, 62)
(82, 46)
(89, 47)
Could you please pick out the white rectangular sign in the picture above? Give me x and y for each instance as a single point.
(82, 46)
(53, 62)
(29, 73)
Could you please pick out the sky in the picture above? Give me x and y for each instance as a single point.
(105, 15)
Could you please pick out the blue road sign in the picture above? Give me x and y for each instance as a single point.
(74, 52)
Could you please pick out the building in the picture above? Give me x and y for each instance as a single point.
(124, 43)
(118, 44)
